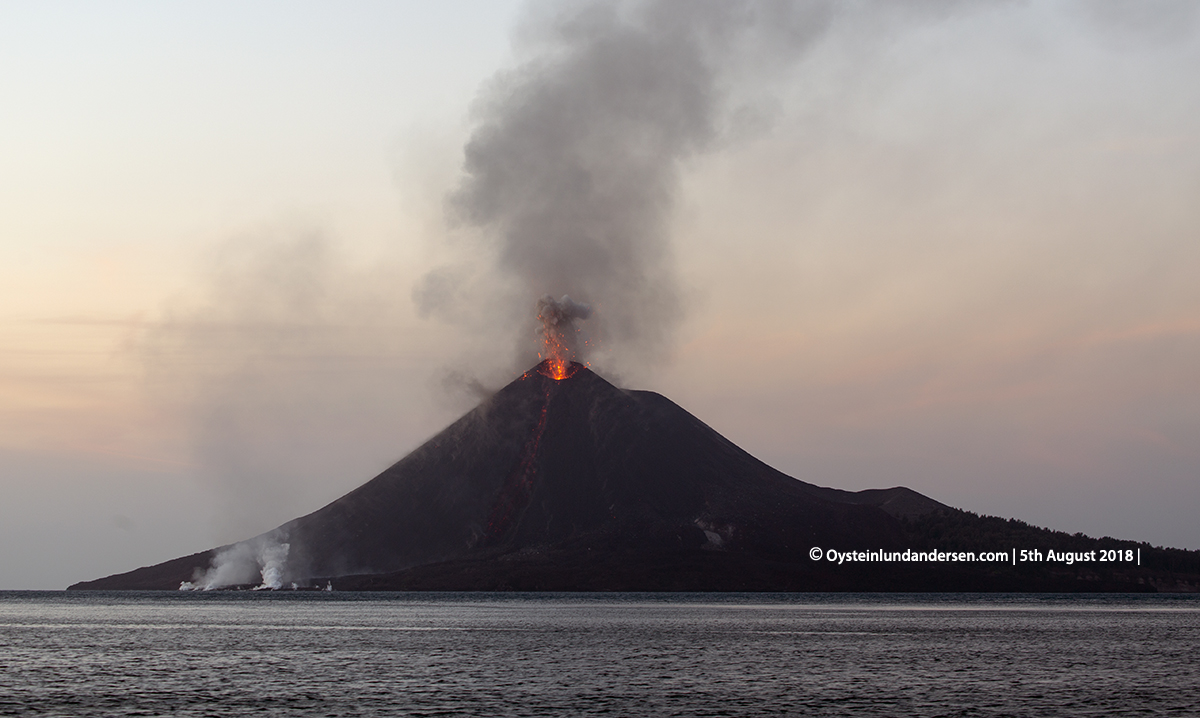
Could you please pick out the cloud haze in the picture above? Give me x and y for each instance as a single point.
(295, 373)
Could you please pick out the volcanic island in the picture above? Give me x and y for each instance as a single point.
(562, 481)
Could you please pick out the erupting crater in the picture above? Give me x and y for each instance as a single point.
(559, 335)
(558, 369)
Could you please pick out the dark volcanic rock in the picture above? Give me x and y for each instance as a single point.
(544, 462)
(575, 484)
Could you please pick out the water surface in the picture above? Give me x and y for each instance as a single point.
(358, 654)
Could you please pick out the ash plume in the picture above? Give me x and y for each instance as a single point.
(571, 174)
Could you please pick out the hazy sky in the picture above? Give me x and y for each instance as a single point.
(952, 246)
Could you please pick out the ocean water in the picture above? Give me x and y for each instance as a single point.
(348, 654)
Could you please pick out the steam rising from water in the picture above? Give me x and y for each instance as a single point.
(261, 559)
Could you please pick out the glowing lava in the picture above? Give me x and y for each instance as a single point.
(558, 369)
(559, 331)
(556, 357)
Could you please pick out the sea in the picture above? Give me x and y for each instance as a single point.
(511, 654)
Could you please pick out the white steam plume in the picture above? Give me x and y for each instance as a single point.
(272, 559)
(263, 560)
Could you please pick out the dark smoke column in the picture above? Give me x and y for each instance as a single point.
(573, 168)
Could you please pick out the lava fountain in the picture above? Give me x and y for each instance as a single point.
(559, 335)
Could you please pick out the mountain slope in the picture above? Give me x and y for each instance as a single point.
(546, 462)
(573, 484)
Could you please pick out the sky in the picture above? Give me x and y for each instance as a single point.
(253, 253)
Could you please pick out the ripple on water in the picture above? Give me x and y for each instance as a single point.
(488, 654)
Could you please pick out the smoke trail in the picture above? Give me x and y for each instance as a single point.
(571, 174)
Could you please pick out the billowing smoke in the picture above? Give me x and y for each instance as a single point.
(261, 560)
(572, 171)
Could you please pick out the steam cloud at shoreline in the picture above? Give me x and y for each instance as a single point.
(263, 559)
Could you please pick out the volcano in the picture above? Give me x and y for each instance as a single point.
(574, 484)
